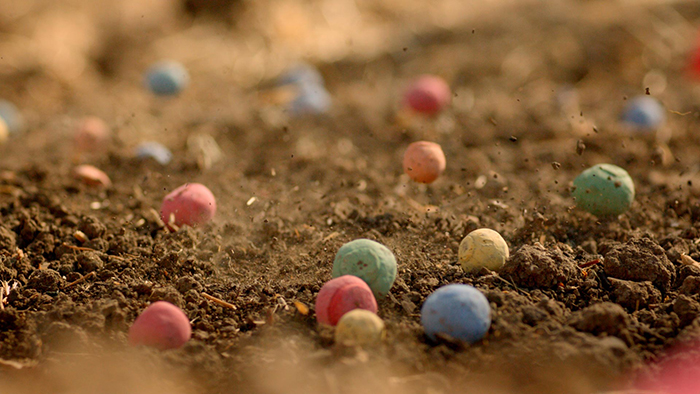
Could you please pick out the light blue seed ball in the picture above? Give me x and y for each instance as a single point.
(167, 78)
(644, 113)
(154, 150)
(460, 311)
(368, 260)
(301, 74)
(12, 117)
(310, 100)
(604, 190)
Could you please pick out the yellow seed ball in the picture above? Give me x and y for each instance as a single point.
(359, 327)
(483, 248)
(4, 132)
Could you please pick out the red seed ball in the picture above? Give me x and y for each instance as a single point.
(341, 295)
(92, 134)
(190, 204)
(162, 325)
(428, 95)
(92, 175)
(424, 161)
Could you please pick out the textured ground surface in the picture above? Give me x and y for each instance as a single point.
(580, 303)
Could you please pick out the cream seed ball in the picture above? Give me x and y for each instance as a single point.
(483, 248)
(424, 161)
(359, 327)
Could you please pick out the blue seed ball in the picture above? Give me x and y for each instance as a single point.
(644, 113)
(12, 117)
(154, 150)
(310, 100)
(368, 260)
(167, 78)
(604, 190)
(460, 311)
(301, 74)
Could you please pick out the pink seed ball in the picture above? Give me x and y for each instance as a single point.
(92, 176)
(428, 95)
(162, 325)
(424, 161)
(341, 295)
(92, 134)
(190, 204)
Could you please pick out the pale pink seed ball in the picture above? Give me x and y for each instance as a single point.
(92, 134)
(424, 161)
(341, 295)
(162, 325)
(92, 176)
(428, 95)
(190, 204)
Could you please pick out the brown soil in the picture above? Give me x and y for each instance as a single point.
(580, 305)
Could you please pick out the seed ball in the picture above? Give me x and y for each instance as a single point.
(460, 311)
(154, 150)
(341, 295)
(424, 161)
(92, 176)
(483, 248)
(368, 260)
(644, 113)
(167, 78)
(92, 134)
(427, 95)
(191, 204)
(4, 132)
(359, 327)
(301, 74)
(162, 326)
(12, 117)
(605, 190)
(310, 100)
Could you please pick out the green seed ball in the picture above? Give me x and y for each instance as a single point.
(359, 327)
(604, 190)
(483, 248)
(368, 260)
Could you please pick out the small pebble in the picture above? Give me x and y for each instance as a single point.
(154, 150)
(191, 204)
(460, 311)
(428, 95)
(92, 134)
(359, 327)
(92, 175)
(341, 295)
(644, 113)
(604, 190)
(369, 260)
(424, 161)
(162, 326)
(483, 248)
(167, 78)
(12, 117)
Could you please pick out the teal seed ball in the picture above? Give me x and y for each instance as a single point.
(368, 260)
(604, 190)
